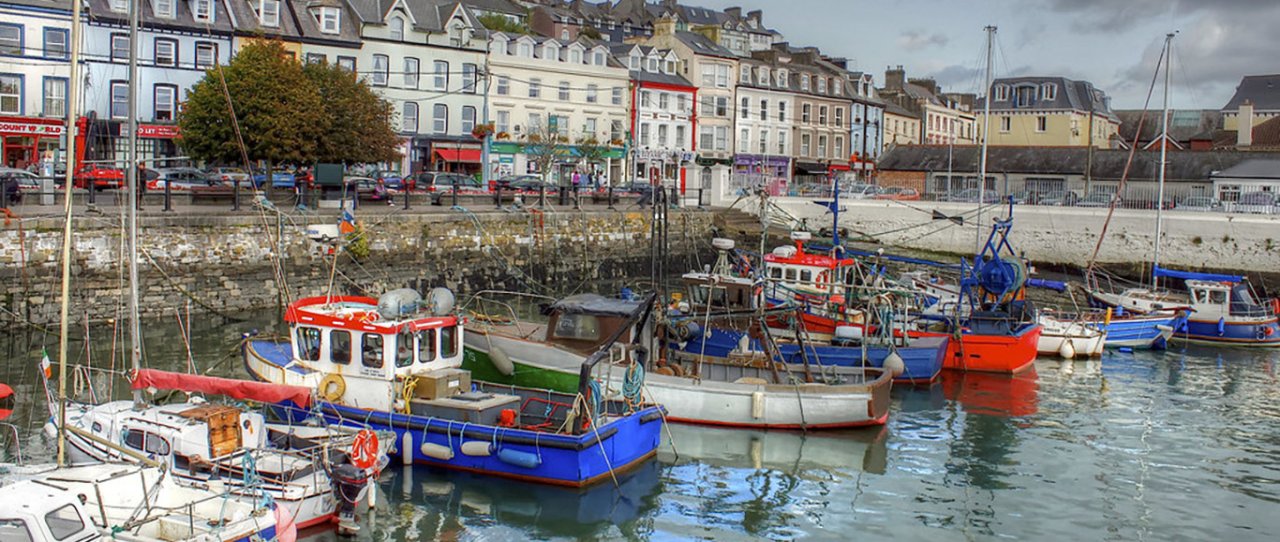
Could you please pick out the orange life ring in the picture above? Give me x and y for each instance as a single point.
(364, 449)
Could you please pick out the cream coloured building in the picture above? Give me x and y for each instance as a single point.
(1049, 111)
(575, 89)
(901, 127)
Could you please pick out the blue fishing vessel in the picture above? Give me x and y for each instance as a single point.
(1222, 309)
(388, 365)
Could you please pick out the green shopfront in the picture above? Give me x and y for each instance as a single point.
(598, 166)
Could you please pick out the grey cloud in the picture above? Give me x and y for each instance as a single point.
(915, 40)
(1106, 16)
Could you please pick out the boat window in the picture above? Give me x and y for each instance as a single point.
(307, 340)
(1197, 296)
(147, 442)
(449, 341)
(578, 327)
(806, 276)
(1217, 297)
(340, 346)
(63, 523)
(1241, 294)
(775, 272)
(791, 273)
(426, 346)
(371, 350)
(698, 294)
(14, 530)
(97, 428)
(404, 349)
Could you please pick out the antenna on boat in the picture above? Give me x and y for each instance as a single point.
(73, 96)
(1164, 149)
(986, 131)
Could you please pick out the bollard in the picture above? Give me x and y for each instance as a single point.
(542, 195)
(610, 197)
(497, 195)
(455, 194)
(235, 195)
(168, 197)
(88, 184)
(404, 185)
(577, 198)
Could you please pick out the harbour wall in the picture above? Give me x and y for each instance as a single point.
(1064, 236)
(228, 264)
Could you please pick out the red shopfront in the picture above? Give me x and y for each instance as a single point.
(26, 140)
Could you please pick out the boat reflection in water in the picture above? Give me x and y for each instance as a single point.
(432, 504)
(788, 451)
(993, 394)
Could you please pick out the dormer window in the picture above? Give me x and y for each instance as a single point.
(744, 75)
(1002, 93)
(120, 6)
(635, 62)
(202, 10)
(550, 52)
(669, 67)
(782, 78)
(598, 58)
(1048, 91)
(525, 49)
(804, 82)
(329, 18)
(575, 56)
(268, 12)
(837, 87)
(397, 28)
(653, 64)
(822, 85)
(164, 8)
(499, 45)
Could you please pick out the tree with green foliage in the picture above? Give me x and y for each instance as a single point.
(592, 149)
(500, 23)
(359, 123)
(279, 113)
(590, 32)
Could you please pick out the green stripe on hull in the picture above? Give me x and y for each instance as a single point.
(525, 376)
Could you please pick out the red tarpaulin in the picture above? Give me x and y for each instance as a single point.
(237, 389)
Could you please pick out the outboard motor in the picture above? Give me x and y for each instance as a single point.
(350, 484)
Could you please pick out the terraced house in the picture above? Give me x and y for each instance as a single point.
(663, 118)
(574, 90)
(1049, 111)
(820, 125)
(34, 77)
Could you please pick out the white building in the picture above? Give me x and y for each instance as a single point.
(765, 109)
(575, 89)
(426, 57)
(663, 122)
(35, 43)
(177, 41)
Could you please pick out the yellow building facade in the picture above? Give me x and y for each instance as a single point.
(1048, 111)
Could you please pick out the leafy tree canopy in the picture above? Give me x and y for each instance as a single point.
(499, 23)
(359, 122)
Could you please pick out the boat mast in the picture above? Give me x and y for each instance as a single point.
(73, 95)
(986, 130)
(131, 174)
(1164, 149)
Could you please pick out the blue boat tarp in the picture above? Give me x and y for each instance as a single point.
(1055, 285)
(1190, 275)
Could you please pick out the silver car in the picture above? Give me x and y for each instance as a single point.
(1199, 203)
(1256, 203)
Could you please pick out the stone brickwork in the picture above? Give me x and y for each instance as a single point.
(226, 264)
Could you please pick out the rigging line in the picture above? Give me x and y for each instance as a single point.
(1124, 177)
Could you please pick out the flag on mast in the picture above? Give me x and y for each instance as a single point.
(347, 224)
(46, 366)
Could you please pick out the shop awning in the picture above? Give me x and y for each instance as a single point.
(839, 167)
(811, 167)
(459, 155)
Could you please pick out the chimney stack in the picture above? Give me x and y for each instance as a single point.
(735, 12)
(753, 17)
(894, 77)
(665, 26)
(1244, 124)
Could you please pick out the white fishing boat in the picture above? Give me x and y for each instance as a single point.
(124, 502)
(522, 353)
(1068, 336)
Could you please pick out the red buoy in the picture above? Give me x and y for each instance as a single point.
(6, 401)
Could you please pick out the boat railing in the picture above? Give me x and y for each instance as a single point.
(637, 319)
(482, 304)
(17, 442)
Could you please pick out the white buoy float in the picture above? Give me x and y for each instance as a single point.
(894, 364)
(437, 451)
(406, 449)
(501, 361)
(477, 448)
(1067, 350)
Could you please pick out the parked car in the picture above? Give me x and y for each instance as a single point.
(505, 182)
(1097, 199)
(971, 196)
(279, 179)
(99, 177)
(443, 181)
(1025, 197)
(861, 191)
(226, 176)
(1256, 203)
(1199, 203)
(898, 193)
(26, 180)
(180, 178)
(1060, 198)
(392, 180)
(532, 185)
(367, 188)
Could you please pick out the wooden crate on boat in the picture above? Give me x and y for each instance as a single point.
(224, 427)
(442, 383)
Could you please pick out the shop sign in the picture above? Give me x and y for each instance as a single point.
(660, 154)
(29, 129)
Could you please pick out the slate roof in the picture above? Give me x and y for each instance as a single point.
(1108, 164)
(1262, 90)
(428, 15)
(100, 11)
(660, 78)
(496, 6)
(1071, 94)
(703, 46)
(1266, 135)
(45, 4)
(246, 21)
(1258, 168)
(309, 28)
(894, 108)
(1184, 125)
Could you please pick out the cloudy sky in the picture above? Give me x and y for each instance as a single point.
(1113, 43)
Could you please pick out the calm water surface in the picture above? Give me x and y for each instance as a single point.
(1183, 444)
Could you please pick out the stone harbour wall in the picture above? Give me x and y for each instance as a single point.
(225, 264)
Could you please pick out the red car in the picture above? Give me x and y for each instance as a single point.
(101, 177)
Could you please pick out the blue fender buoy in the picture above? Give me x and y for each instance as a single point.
(1222, 326)
(520, 459)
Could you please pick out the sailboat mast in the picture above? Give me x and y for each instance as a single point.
(986, 130)
(1164, 149)
(73, 102)
(131, 174)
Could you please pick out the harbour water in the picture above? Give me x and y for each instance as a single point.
(1183, 444)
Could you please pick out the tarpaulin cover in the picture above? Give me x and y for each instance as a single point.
(237, 389)
(1189, 275)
